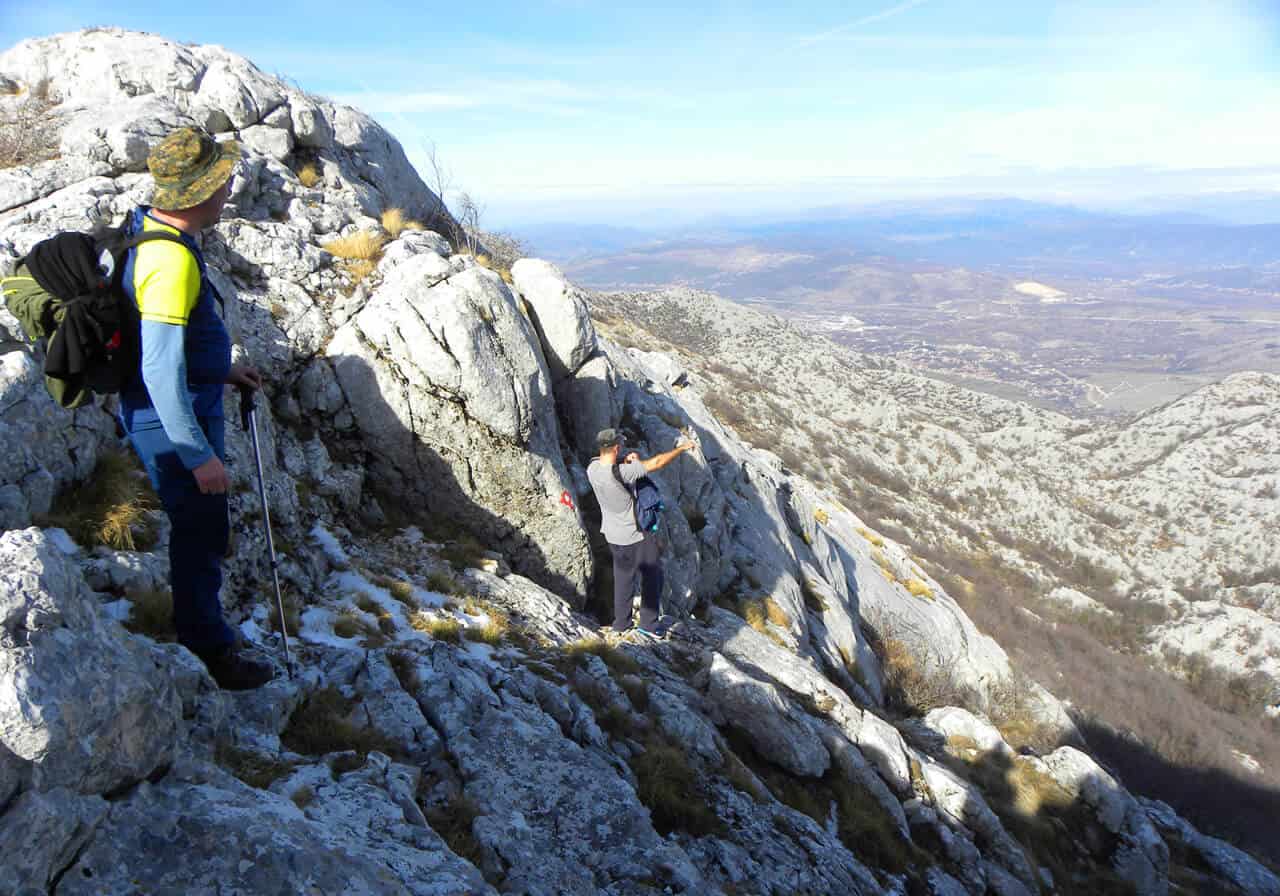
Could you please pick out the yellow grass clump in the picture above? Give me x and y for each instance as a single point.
(108, 507)
(870, 536)
(821, 516)
(917, 588)
(308, 175)
(775, 613)
(395, 223)
(362, 245)
(442, 628)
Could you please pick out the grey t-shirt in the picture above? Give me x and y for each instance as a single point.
(617, 511)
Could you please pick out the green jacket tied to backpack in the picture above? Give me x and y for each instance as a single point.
(39, 317)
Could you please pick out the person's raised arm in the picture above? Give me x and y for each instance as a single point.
(658, 461)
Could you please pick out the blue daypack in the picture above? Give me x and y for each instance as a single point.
(648, 501)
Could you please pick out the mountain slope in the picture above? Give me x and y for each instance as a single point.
(453, 725)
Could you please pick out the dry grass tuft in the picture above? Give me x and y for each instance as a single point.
(351, 624)
(358, 271)
(758, 615)
(617, 660)
(917, 588)
(672, 790)
(395, 223)
(320, 725)
(454, 823)
(252, 768)
(363, 245)
(492, 632)
(442, 583)
(151, 614)
(812, 599)
(776, 614)
(303, 796)
(441, 628)
(359, 253)
(870, 536)
(109, 508)
(403, 592)
(309, 175)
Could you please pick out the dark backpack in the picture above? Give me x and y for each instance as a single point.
(648, 503)
(68, 291)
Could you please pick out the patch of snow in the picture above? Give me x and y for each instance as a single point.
(317, 627)
(118, 609)
(337, 556)
(427, 598)
(252, 632)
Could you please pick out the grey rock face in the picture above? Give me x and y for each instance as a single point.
(200, 831)
(559, 311)
(450, 394)
(551, 810)
(47, 447)
(44, 832)
(1140, 855)
(777, 729)
(1227, 861)
(82, 702)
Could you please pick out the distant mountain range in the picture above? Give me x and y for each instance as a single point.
(1006, 234)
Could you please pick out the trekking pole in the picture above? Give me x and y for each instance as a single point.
(249, 418)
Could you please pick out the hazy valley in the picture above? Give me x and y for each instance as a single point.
(1088, 314)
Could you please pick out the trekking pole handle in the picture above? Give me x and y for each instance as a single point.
(247, 406)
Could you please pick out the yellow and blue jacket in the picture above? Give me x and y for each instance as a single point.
(186, 352)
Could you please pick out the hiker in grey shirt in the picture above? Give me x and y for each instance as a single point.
(635, 553)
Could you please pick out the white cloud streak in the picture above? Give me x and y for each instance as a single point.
(858, 23)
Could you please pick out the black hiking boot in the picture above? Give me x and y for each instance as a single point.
(233, 670)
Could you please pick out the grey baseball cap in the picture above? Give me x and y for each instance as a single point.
(607, 438)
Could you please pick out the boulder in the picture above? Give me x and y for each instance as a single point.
(777, 729)
(45, 832)
(89, 707)
(559, 313)
(1140, 855)
(453, 399)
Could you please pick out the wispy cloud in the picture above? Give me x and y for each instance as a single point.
(859, 23)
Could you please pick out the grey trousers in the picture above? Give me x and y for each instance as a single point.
(632, 561)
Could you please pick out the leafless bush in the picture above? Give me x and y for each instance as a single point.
(28, 127)
(916, 684)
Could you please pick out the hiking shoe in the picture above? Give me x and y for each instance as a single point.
(647, 634)
(233, 670)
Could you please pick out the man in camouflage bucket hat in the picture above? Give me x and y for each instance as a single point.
(172, 410)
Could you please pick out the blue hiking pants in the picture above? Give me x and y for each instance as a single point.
(200, 530)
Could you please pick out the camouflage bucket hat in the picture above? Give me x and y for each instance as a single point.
(189, 166)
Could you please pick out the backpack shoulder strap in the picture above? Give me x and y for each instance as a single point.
(137, 239)
(617, 474)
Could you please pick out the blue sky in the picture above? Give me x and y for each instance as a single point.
(532, 105)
